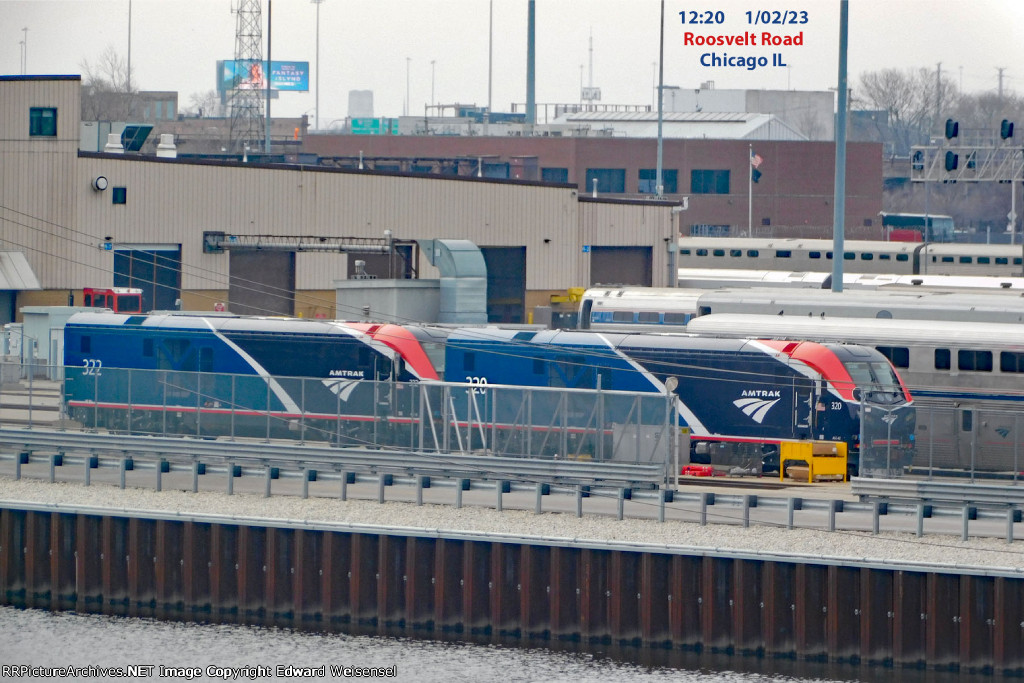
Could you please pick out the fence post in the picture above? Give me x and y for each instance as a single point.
(129, 401)
(234, 379)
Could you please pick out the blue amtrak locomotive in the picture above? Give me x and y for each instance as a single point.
(738, 397)
(214, 375)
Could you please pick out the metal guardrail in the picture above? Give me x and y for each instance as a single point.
(580, 479)
(928, 491)
(298, 457)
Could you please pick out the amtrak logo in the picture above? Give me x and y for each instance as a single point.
(342, 388)
(889, 418)
(1003, 431)
(756, 403)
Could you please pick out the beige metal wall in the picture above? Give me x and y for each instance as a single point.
(632, 224)
(63, 220)
(38, 176)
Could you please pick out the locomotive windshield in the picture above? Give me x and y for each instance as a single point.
(877, 381)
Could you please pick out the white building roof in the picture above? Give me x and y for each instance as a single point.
(713, 125)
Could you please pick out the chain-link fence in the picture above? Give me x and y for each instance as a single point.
(536, 422)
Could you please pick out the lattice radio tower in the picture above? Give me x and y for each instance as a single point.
(249, 84)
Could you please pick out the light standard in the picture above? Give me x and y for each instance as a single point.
(405, 110)
(433, 102)
(24, 63)
(317, 108)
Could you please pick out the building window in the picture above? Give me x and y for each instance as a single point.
(608, 179)
(554, 175)
(42, 122)
(119, 195)
(709, 181)
(649, 181)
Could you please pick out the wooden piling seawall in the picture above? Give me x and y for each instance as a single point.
(458, 584)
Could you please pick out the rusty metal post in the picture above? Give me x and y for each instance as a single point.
(419, 583)
(391, 580)
(876, 609)
(977, 620)
(1008, 630)
(88, 563)
(909, 627)
(844, 612)
(811, 618)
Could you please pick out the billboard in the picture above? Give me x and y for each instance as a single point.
(241, 75)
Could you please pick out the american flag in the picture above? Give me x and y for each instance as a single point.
(755, 159)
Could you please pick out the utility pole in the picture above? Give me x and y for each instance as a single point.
(1000, 70)
(938, 93)
(317, 110)
(839, 201)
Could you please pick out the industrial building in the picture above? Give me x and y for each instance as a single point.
(81, 219)
(792, 198)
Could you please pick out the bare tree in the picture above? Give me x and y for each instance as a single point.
(204, 104)
(913, 100)
(108, 94)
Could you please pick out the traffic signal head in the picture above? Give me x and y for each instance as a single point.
(952, 129)
(952, 161)
(1006, 129)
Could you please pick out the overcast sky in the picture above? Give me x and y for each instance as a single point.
(364, 45)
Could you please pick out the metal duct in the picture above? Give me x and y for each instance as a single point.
(463, 280)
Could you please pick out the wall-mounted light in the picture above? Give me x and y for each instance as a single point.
(99, 183)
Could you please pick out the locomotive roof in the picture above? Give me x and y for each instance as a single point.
(175, 321)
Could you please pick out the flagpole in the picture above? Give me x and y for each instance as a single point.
(750, 192)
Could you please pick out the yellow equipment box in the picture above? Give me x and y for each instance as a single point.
(822, 457)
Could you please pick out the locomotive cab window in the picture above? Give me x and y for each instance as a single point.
(147, 347)
(469, 362)
(85, 344)
(206, 359)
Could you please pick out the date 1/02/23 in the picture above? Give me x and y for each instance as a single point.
(755, 18)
